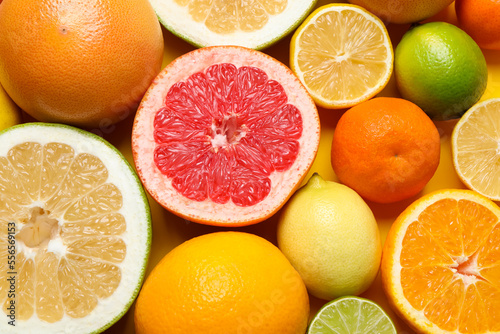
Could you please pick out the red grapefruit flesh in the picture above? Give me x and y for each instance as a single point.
(224, 135)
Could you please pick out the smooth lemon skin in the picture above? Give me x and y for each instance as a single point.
(10, 114)
(331, 237)
(441, 69)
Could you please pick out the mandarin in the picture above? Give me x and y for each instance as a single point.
(223, 282)
(481, 20)
(85, 63)
(386, 149)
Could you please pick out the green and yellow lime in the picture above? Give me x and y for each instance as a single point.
(441, 69)
(351, 315)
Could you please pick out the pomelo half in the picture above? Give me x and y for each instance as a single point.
(224, 135)
(75, 231)
(255, 24)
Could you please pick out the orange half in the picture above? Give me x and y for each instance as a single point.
(441, 264)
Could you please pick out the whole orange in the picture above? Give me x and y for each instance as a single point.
(386, 149)
(481, 20)
(85, 63)
(223, 282)
(403, 11)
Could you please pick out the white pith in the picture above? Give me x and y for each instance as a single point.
(137, 235)
(178, 20)
(283, 183)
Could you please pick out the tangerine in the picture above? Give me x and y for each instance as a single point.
(481, 20)
(386, 149)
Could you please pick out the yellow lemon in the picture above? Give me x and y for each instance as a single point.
(331, 237)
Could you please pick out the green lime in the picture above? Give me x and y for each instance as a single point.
(351, 315)
(441, 69)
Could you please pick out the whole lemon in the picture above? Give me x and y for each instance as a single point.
(9, 112)
(441, 69)
(331, 237)
(223, 283)
(85, 63)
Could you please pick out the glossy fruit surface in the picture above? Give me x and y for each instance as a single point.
(224, 136)
(386, 149)
(223, 282)
(85, 63)
(481, 20)
(441, 69)
(331, 237)
(440, 263)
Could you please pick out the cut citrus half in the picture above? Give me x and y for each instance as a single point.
(224, 136)
(475, 144)
(441, 263)
(343, 55)
(351, 315)
(75, 231)
(254, 24)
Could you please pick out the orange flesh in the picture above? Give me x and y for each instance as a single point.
(222, 132)
(451, 266)
(225, 17)
(56, 197)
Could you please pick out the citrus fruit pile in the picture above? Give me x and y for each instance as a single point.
(315, 187)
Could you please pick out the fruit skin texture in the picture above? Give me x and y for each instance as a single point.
(441, 69)
(85, 63)
(10, 114)
(331, 237)
(481, 20)
(223, 282)
(386, 149)
(403, 11)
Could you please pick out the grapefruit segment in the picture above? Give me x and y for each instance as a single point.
(224, 135)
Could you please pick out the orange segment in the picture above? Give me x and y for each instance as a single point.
(436, 278)
(489, 253)
(441, 263)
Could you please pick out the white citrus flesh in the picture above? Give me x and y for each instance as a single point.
(81, 225)
(224, 136)
(255, 24)
(342, 54)
(476, 148)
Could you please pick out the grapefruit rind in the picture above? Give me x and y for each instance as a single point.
(483, 143)
(391, 267)
(294, 55)
(178, 21)
(207, 211)
(135, 209)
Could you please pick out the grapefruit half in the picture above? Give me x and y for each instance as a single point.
(224, 135)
